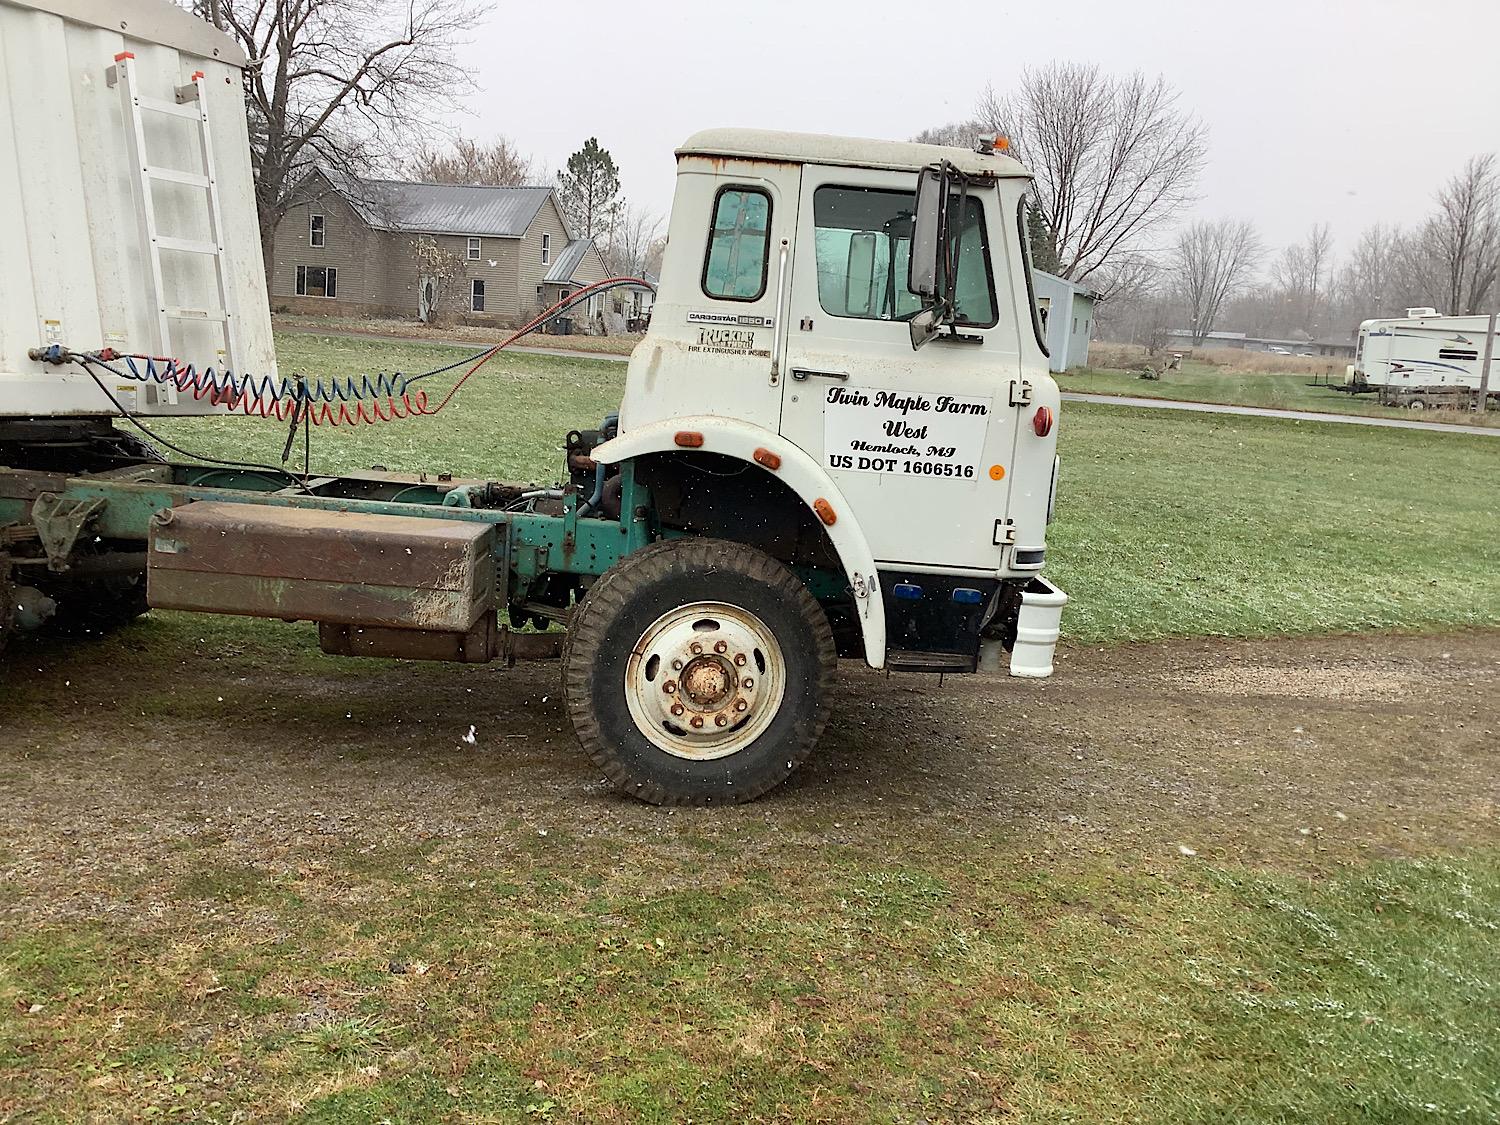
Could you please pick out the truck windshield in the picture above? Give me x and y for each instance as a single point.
(863, 248)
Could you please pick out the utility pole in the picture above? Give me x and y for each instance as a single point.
(1484, 372)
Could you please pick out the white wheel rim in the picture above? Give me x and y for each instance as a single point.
(705, 680)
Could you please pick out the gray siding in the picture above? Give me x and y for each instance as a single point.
(378, 271)
(348, 246)
(549, 220)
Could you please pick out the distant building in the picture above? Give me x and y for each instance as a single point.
(1183, 338)
(1340, 346)
(1067, 310)
(350, 251)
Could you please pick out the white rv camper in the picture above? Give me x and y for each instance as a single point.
(127, 215)
(1422, 358)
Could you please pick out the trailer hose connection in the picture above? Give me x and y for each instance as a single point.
(336, 401)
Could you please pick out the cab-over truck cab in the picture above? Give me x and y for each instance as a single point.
(845, 374)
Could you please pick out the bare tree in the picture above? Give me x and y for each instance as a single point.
(1301, 277)
(440, 273)
(1462, 239)
(467, 161)
(1114, 158)
(1212, 262)
(1370, 278)
(337, 83)
(635, 242)
(955, 134)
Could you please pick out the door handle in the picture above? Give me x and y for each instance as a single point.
(803, 374)
(779, 314)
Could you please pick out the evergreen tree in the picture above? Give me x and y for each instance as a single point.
(590, 190)
(1040, 239)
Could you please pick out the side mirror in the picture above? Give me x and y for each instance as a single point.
(922, 276)
(859, 277)
(924, 326)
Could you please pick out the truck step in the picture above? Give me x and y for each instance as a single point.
(901, 660)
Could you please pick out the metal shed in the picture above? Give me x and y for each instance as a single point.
(1068, 309)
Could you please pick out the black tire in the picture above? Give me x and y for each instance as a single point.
(630, 600)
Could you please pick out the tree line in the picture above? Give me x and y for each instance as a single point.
(1117, 161)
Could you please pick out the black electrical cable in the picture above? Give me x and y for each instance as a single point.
(134, 421)
(551, 314)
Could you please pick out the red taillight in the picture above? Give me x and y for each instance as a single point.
(1041, 421)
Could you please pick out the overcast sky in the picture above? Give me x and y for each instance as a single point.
(1344, 111)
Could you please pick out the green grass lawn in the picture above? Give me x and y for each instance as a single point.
(1168, 524)
(242, 882)
(945, 986)
(1204, 382)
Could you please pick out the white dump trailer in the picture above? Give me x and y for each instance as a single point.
(127, 213)
(1422, 358)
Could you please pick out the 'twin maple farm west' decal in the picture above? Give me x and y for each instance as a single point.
(875, 431)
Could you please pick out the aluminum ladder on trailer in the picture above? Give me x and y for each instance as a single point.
(189, 104)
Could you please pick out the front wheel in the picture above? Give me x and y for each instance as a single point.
(697, 672)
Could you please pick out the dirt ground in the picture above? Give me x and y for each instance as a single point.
(1298, 753)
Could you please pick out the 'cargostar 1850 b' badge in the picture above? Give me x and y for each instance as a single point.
(734, 320)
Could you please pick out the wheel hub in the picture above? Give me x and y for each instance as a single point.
(705, 680)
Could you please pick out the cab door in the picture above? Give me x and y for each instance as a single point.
(918, 442)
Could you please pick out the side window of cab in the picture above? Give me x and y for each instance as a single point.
(739, 245)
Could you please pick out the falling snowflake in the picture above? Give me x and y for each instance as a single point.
(471, 737)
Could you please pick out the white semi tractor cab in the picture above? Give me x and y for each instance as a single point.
(837, 438)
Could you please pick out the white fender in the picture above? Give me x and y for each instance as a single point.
(803, 475)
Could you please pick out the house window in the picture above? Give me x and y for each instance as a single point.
(546, 248)
(474, 247)
(566, 293)
(739, 241)
(317, 281)
(316, 234)
(476, 294)
(541, 296)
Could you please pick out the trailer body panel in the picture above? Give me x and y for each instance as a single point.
(77, 271)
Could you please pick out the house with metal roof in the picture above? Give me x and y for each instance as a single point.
(481, 255)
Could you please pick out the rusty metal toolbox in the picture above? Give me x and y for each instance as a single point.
(406, 572)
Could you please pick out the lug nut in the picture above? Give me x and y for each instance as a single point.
(697, 721)
(739, 660)
(720, 646)
(677, 666)
(749, 682)
(720, 721)
(741, 705)
(669, 687)
(677, 708)
(697, 648)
